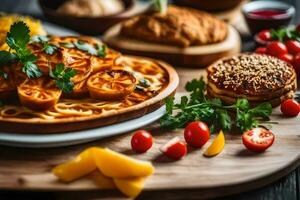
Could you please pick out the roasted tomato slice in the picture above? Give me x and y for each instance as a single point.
(79, 90)
(38, 94)
(44, 60)
(78, 61)
(258, 139)
(7, 84)
(111, 84)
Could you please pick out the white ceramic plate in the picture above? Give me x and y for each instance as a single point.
(71, 138)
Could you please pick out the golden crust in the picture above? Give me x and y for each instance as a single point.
(256, 77)
(179, 26)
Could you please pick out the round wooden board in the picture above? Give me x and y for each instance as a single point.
(39, 126)
(235, 170)
(198, 56)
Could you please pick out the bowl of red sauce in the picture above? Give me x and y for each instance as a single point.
(261, 15)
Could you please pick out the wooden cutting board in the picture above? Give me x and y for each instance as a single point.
(195, 56)
(233, 171)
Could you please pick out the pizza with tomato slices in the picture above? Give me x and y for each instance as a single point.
(71, 83)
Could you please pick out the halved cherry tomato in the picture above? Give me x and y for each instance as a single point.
(297, 64)
(290, 108)
(196, 134)
(265, 35)
(276, 48)
(141, 141)
(258, 139)
(174, 149)
(261, 50)
(287, 58)
(293, 46)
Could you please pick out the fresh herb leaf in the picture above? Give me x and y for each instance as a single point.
(101, 51)
(144, 83)
(160, 6)
(7, 58)
(81, 45)
(211, 111)
(17, 39)
(62, 76)
(31, 70)
(49, 48)
(67, 44)
(39, 38)
(18, 36)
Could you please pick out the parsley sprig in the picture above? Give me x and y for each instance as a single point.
(17, 39)
(62, 76)
(285, 33)
(48, 48)
(212, 111)
(160, 6)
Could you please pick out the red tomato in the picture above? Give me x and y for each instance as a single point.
(174, 149)
(261, 50)
(258, 139)
(297, 64)
(265, 35)
(287, 58)
(290, 108)
(141, 141)
(293, 46)
(276, 48)
(196, 134)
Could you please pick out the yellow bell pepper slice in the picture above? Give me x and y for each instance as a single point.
(131, 187)
(101, 181)
(81, 165)
(217, 145)
(116, 165)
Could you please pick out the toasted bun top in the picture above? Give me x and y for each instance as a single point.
(251, 74)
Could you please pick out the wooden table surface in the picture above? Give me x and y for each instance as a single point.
(235, 170)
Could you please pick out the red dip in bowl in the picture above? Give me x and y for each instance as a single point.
(262, 15)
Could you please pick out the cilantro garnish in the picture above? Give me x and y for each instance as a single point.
(62, 76)
(99, 51)
(48, 48)
(17, 39)
(160, 6)
(286, 33)
(212, 111)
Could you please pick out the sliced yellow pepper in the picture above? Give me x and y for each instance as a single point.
(80, 166)
(217, 145)
(101, 181)
(116, 165)
(131, 187)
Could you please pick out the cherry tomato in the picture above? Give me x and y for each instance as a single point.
(276, 48)
(258, 139)
(293, 46)
(287, 58)
(141, 141)
(265, 35)
(261, 50)
(290, 108)
(196, 134)
(174, 149)
(297, 64)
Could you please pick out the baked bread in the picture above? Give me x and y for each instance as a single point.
(258, 78)
(180, 26)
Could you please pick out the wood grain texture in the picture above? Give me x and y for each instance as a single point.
(235, 170)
